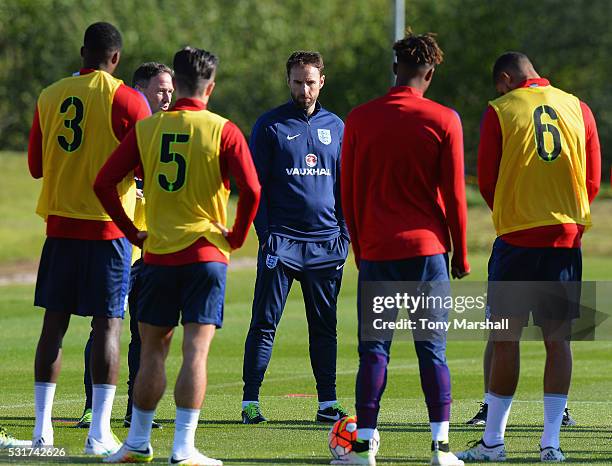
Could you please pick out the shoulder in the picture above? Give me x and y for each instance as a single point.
(331, 118)
(272, 116)
(448, 117)
(231, 130)
(443, 111)
(55, 86)
(364, 111)
(126, 95)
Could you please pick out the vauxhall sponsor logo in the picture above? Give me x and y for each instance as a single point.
(311, 161)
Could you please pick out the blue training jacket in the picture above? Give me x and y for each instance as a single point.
(298, 163)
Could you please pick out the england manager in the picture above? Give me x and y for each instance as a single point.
(301, 231)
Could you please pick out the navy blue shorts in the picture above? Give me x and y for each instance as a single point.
(556, 293)
(197, 291)
(426, 271)
(84, 277)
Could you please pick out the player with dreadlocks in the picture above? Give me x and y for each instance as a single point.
(403, 191)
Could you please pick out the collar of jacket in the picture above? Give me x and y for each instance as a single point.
(300, 113)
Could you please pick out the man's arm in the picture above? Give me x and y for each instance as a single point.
(489, 155)
(35, 147)
(346, 187)
(124, 159)
(260, 150)
(452, 189)
(338, 189)
(129, 106)
(593, 153)
(236, 160)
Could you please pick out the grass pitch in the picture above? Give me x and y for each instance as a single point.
(288, 394)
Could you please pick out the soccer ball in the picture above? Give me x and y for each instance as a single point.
(342, 435)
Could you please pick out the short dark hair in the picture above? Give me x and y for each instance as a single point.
(193, 68)
(145, 72)
(101, 41)
(303, 58)
(510, 62)
(418, 50)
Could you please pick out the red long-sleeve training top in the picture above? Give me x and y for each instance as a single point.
(128, 107)
(234, 158)
(567, 235)
(403, 185)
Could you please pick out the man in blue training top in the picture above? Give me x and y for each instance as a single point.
(301, 231)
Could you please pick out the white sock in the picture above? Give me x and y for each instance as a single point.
(101, 410)
(139, 435)
(554, 404)
(486, 398)
(326, 404)
(565, 404)
(497, 418)
(439, 431)
(246, 403)
(184, 432)
(365, 434)
(44, 393)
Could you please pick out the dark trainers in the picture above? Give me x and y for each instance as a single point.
(85, 420)
(481, 416)
(331, 414)
(251, 414)
(127, 422)
(567, 421)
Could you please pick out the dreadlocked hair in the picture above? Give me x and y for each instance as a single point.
(418, 50)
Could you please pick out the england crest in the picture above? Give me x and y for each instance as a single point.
(324, 136)
(271, 261)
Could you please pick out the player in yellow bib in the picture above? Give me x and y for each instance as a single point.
(186, 154)
(538, 170)
(85, 262)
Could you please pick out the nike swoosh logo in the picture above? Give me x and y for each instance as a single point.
(338, 267)
(335, 417)
(173, 461)
(141, 452)
(289, 138)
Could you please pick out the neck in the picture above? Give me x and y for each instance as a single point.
(99, 66)
(201, 97)
(532, 75)
(415, 82)
(310, 110)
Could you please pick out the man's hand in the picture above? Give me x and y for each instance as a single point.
(227, 234)
(139, 194)
(222, 228)
(459, 268)
(140, 239)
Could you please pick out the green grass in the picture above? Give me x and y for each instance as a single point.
(21, 230)
(291, 437)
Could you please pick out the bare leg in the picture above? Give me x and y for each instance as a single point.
(486, 364)
(558, 369)
(505, 368)
(151, 379)
(190, 386)
(105, 350)
(48, 360)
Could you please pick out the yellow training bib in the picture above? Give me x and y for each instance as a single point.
(183, 187)
(77, 139)
(542, 174)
